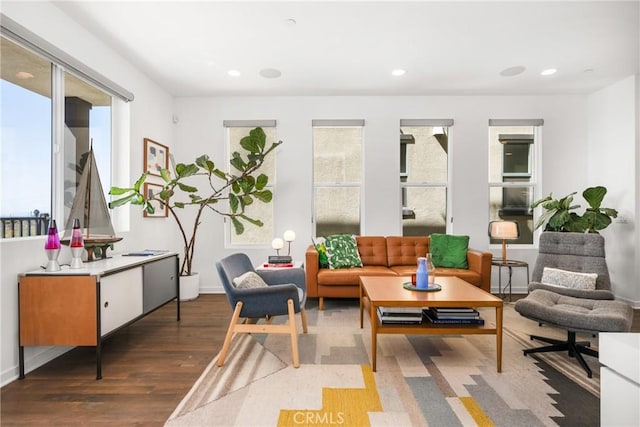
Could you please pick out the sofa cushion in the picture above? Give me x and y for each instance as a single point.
(350, 276)
(372, 250)
(448, 250)
(406, 250)
(342, 251)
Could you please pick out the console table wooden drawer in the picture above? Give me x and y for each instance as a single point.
(81, 307)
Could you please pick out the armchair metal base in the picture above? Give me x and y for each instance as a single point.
(575, 348)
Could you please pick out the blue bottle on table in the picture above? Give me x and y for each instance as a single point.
(422, 275)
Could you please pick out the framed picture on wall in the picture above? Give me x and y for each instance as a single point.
(156, 157)
(161, 210)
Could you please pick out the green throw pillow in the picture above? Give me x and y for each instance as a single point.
(449, 251)
(323, 260)
(342, 251)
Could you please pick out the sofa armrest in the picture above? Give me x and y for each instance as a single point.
(311, 266)
(480, 262)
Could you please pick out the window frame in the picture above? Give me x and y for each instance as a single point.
(316, 185)
(446, 185)
(535, 168)
(61, 65)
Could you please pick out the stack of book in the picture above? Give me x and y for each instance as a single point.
(453, 315)
(402, 315)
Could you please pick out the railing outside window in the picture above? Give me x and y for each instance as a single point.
(25, 226)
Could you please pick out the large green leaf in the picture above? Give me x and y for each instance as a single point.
(261, 181)
(255, 222)
(237, 225)
(123, 201)
(233, 202)
(237, 162)
(117, 191)
(187, 188)
(594, 196)
(264, 196)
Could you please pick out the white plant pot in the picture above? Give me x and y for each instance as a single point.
(189, 287)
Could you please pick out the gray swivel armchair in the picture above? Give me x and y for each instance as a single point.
(283, 292)
(564, 305)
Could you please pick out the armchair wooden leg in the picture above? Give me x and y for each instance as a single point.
(303, 316)
(294, 334)
(321, 303)
(230, 330)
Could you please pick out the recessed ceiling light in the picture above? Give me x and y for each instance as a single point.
(399, 72)
(270, 73)
(548, 72)
(233, 73)
(512, 71)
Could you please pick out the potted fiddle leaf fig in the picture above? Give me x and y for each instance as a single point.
(203, 187)
(558, 214)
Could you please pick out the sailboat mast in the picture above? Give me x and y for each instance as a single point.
(88, 211)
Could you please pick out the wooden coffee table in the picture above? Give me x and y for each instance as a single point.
(388, 292)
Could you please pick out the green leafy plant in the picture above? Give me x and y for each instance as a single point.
(559, 215)
(238, 190)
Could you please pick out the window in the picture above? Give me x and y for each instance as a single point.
(48, 100)
(253, 235)
(424, 176)
(25, 208)
(337, 176)
(513, 146)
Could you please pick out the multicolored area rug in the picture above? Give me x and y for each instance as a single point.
(420, 380)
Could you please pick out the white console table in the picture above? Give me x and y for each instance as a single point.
(81, 307)
(619, 379)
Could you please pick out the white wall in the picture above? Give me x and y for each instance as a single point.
(612, 147)
(564, 135)
(150, 116)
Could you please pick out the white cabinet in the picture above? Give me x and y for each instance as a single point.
(619, 353)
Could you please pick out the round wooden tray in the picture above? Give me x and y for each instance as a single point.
(433, 288)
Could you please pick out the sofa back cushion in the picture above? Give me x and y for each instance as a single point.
(373, 250)
(406, 250)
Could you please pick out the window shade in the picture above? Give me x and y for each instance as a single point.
(249, 123)
(19, 34)
(338, 122)
(426, 122)
(516, 122)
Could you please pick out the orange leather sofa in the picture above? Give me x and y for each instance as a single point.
(386, 256)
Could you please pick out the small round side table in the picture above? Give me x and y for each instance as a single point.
(510, 264)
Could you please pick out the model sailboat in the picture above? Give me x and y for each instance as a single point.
(90, 207)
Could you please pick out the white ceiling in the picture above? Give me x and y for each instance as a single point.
(350, 48)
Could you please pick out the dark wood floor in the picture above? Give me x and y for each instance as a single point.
(148, 368)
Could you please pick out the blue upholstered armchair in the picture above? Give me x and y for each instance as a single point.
(280, 292)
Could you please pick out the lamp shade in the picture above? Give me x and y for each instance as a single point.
(289, 236)
(277, 243)
(504, 230)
